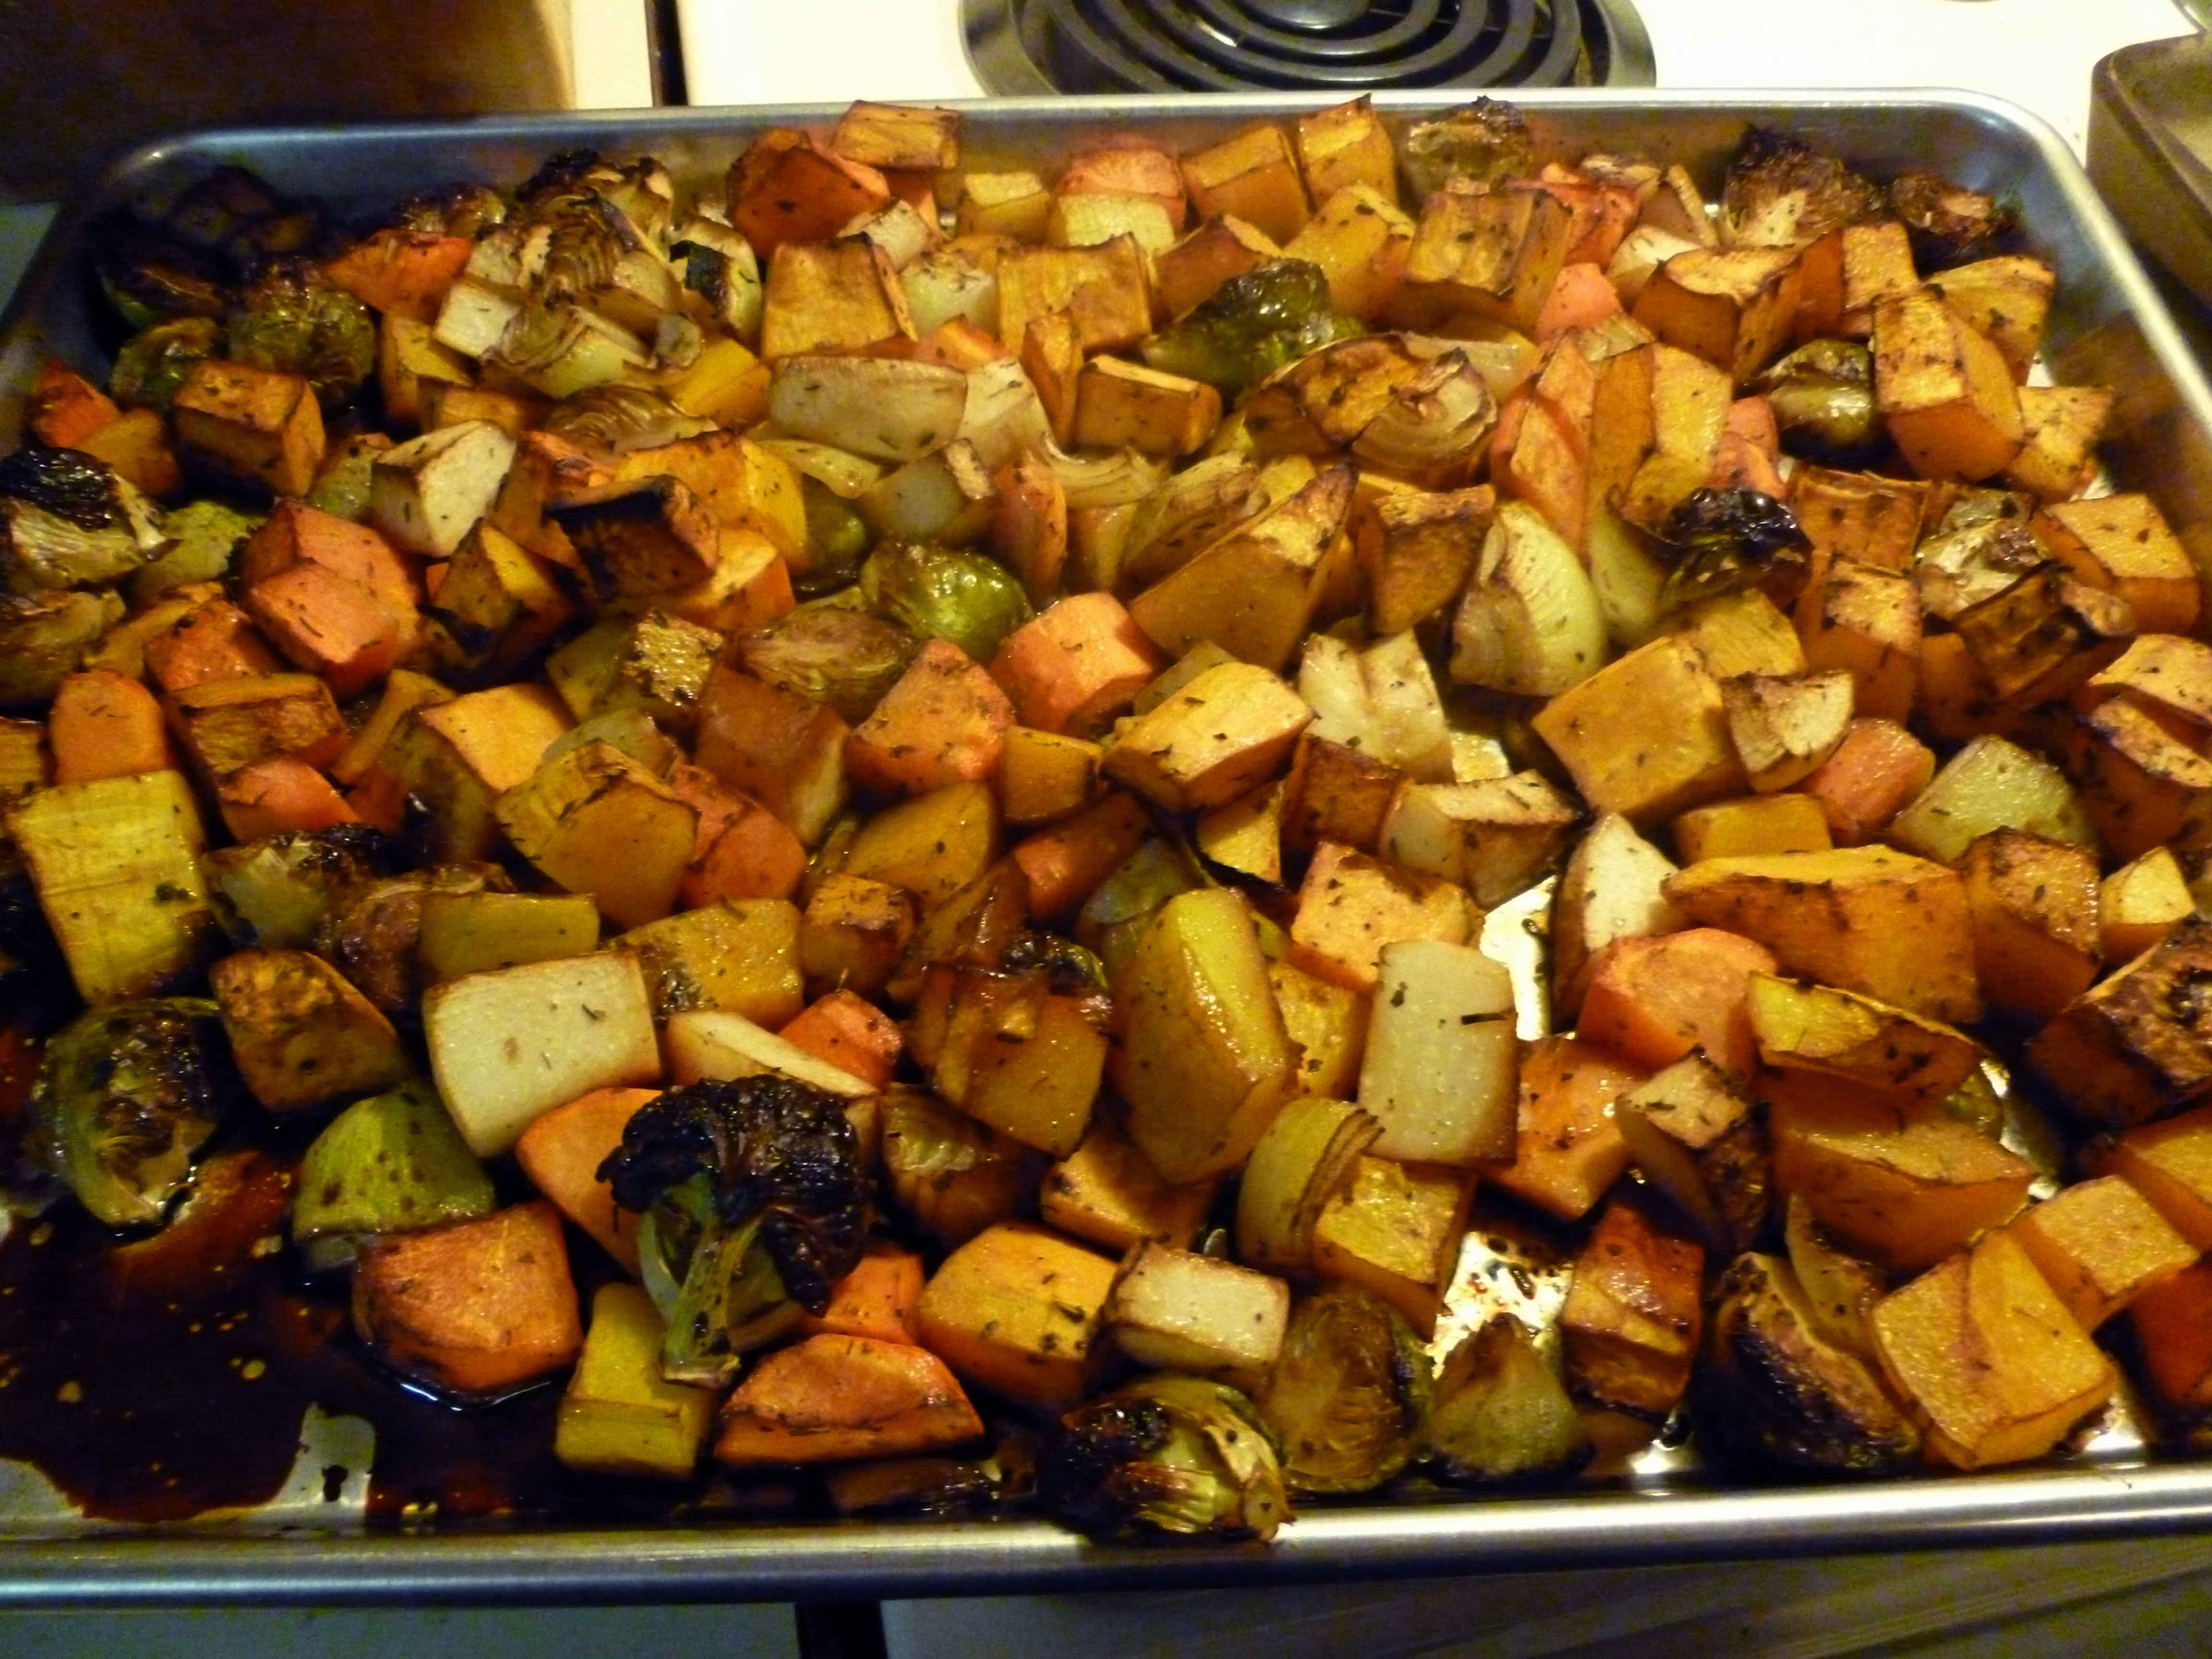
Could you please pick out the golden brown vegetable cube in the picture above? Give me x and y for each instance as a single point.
(2170, 1164)
(2035, 908)
(2006, 299)
(256, 424)
(1654, 432)
(1351, 906)
(1694, 1132)
(1017, 1309)
(2139, 903)
(641, 537)
(1044, 775)
(228, 724)
(2139, 779)
(1104, 290)
(409, 360)
(931, 845)
(1864, 919)
(1495, 838)
(1877, 263)
(1395, 1229)
(1344, 145)
(787, 186)
(1734, 307)
(898, 135)
(1174, 1311)
(1186, 274)
(1944, 391)
(599, 822)
(461, 755)
(1817, 1028)
(837, 296)
(1624, 762)
(2101, 1244)
(2062, 425)
(1253, 176)
(1859, 515)
(1224, 732)
(1988, 1358)
(300, 1033)
(497, 607)
(1361, 241)
(1865, 620)
(785, 750)
(742, 484)
(617, 1415)
(1757, 824)
(1107, 1191)
(1014, 204)
(853, 934)
(1125, 405)
(1485, 253)
(1328, 1024)
(2123, 544)
(1246, 834)
(1337, 792)
(2137, 1044)
(1905, 1190)
(475, 933)
(2172, 1322)
(1417, 548)
(1023, 1060)
(740, 955)
(1632, 1315)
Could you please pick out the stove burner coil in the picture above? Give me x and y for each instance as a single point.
(1031, 47)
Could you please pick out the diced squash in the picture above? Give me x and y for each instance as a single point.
(1568, 1149)
(300, 1033)
(1654, 1001)
(2101, 1244)
(1395, 1229)
(1632, 1315)
(1106, 1191)
(1017, 1310)
(876, 1299)
(1693, 1131)
(561, 1152)
(2137, 1044)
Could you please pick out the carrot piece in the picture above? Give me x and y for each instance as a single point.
(1029, 532)
(137, 446)
(561, 1152)
(742, 850)
(65, 407)
(478, 1307)
(403, 272)
(216, 642)
(876, 1299)
(1653, 1001)
(104, 726)
(280, 795)
(1569, 1149)
(1739, 465)
(1076, 666)
(957, 343)
(1752, 419)
(851, 1033)
(1583, 297)
(828, 1398)
(945, 722)
(1065, 862)
(1876, 771)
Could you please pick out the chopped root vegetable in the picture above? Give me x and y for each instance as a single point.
(877, 1299)
(1654, 1001)
(280, 795)
(103, 725)
(561, 1153)
(830, 1398)
(851, 1033)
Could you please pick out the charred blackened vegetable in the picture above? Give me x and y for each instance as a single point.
(149, 279)
(1350, 1393)
(273, 894)
(154, 361)
(1251, 326)
(230, 212)
(754, 1205)
(67, 520)
(1947, 224)
(288, 318)
(1781, 192)
(126, 1096)
(1728, 539)
(1822, 395)
(1179, 1454)
(942, 593)
(1484, 141)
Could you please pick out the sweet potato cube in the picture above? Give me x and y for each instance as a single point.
(1568, 1149)
(1693, 1130)
(1017, 1309)
(2101, 1244)
(1645, 773)
(785, 750)
(788, 187)
(137, 446)
(1654, 1001)
(851, 1034)
(1859, 515)
(103, 725)
(280, 796)
(828, 1398)
(1351, 906)
(1632, 1315)
(1065, 863)
(2123, 544)
(1106, 1191)
(1395, 1229)
(402, 273)
(944, 721)
(2035, 907)
(641, 538)
(1076, 666)
(2172, 1322)
(2139, 903)
(599, 822)
(1734, 308)
(331, 595)
(66, 407)
(854, 933)
(561, 1153)
(256, 425)
(618, 1415)
(1865, 620)
(2170, 1164)
(1186, 274)
(2062, 425)
(475, 1307)
(2137, 1044)
(1104, 290)
(1225, 731)
(1944, 391)
(875, 1300)
(1254, 176)
(1869, 778)
(1988, 1358)
(742, 850)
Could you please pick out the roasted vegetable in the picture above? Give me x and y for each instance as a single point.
(390, 1163)
(753, 1204)
(274, 893)
(67, 520)
(371, 931)
(1949, 224)
(1781, 192)
(453, 210)
(125, 1097)
(1822, 395)
(288, 318)
(846, 658)
(149, 279)
(154, 363)
(837, 539)
(1724, 541)
(1252, 326)
(1349, 1395)
(44, 637)
(1178, 1454)
(949, 1175)
(613, 420)
(942, 593)
(1483, 142)
(1502, 1416)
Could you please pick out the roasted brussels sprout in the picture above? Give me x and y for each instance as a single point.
(231, 211)
(1773, 1390)
(272, 895)
(585, 239)
(126, 1096)
(1958, 569)
(1947, 224)
(949, 1175)
(1503, 1416)
(1822, 395)
(837, 540)
(154, 361)
(1177, 1453)
(44, 637)
(1781, 192)
(204, 538)
(453, 210)
(67, 520)
(1483, 142)
(288, 318)
(1723, 540)
(754, 1204)
(150, 279)
(614, 419)
(371, 931)
(1350, 1393)
(842, 656)
(1252, 326)
(944, 593)
(1066, 966)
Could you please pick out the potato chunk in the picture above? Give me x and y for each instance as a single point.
(617, 1416)
(1224, 732)
(1173, 1311)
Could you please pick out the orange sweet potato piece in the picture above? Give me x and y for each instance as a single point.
(278, 795)
(1029, 531)
(216, 642)
(1077, 665)
(66, 407)
(137, 444)
(379, 798)
(1632, 1314)
(830, 1398)
(1066, 861)
(1652, 1000)
(333, 596)
(847, 1031)
(789, 187)
(876, 1299)
(477, 1308)
(1583, 297)
(405, 273)
(945, 722)
(957, 343)
(1568, 1149)
(1876, 771)
(561, 1152)
(1129, 169)
(104, 726)
(742, 850)
(2172, 1322)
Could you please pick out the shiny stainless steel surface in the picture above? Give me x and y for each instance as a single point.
(2107, 325)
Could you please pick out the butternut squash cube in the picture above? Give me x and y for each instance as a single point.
(1253, 176)
(1632, 1315)
(1017, 1310)
(2101, 1244)
(1395, 1229)
(1106, 1191)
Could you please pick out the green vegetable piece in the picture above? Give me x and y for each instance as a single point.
(832, 653)
(272, 894)
(1252, 326)
(1822, 395)
(1173, 1453)
(941, 593)
(44, 637)
(205, 538)
(837, 538)
(1349, 1395)
(126, 1096)
(156, 361)
(289, 318)
(341, 486)
(392, 1164)
(728, 1301)
(1113, 918)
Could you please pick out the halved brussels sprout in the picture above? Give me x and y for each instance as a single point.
(1177, 1453)
(614, 419)
(203, 537)
(1781, 192)
(1503, 1416)
(149, 279)
(1724, 540)
(288, 318)
(1483, 142)
(124, 1098)
(1822, 395)
(372, 931)
(842, 656)
(1349, 1395)
(44, 637)
(1948, 224)
(945, 593)
(67, 520)
(231, 211)
(1252, 326)
(154, 361)
(837, 540)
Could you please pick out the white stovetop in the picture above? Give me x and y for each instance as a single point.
(2036, 52)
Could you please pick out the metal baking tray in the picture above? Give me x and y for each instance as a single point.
(308, 1546)
(2150, 150)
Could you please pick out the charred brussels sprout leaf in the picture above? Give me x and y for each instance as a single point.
(67, 520)
(1947, 224)
(1781, 192)
(1349, 1395)
(156, 361)
(66, 483)
(1483, 142)
(1178, 1454)
(126, 1096)
(1252, 326)
(453, 210)
(288, 318)
(1822, 395)
(842, 656)
(941, 593)
(149, 279)
(1723, 540)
